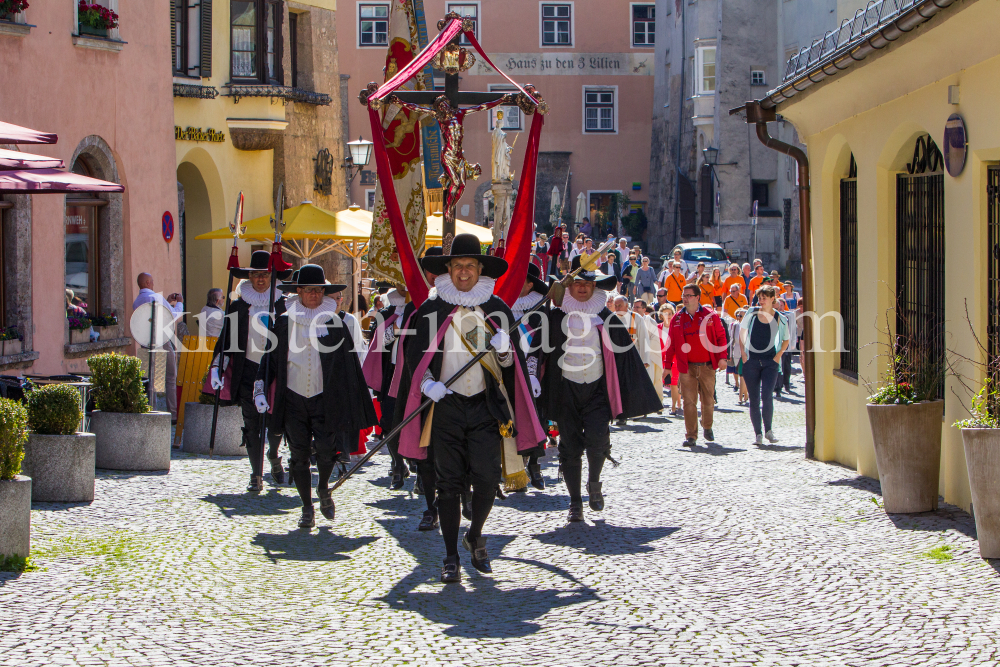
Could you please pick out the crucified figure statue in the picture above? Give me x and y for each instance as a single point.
(453, 163)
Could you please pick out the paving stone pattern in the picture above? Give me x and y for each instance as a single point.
(729, 554)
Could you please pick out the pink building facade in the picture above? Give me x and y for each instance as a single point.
(592, 61)
(108, 97)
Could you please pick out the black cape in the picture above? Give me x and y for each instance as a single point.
(235, 341)
(637, 392)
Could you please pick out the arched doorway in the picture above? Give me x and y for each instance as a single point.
(195, 217)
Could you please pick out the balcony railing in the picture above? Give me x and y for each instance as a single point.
(284, 93)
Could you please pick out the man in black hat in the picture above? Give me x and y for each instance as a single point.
(244, 345)
(532, 293)
(469, 422)
(592, 374)
(318, 389)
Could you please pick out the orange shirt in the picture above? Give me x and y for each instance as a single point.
(779, 286)
(755, 283)
(720, 289)
(731, 305)
(707, 294)
(738, 279)
(674, 284)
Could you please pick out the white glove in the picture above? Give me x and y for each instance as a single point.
(434, 390)
(536, 386)
(500, 342)
(258, 396)
(216, 380)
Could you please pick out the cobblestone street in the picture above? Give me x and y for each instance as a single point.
(729, 554)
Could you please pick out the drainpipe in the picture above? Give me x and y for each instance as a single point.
(760, 117)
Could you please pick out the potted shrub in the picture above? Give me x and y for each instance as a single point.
(198, 427)
(95, 19)
(79, 329)
(129, 435)
(106, 326)
(9, 9)
(58, 458)
(905, 416)
(11, 338)
(15, 489)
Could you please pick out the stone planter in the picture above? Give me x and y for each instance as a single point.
(15, 516)
(107, 333)
(61, 467)
(79, 336)
(12, 347)
(982, 459)
(908, 454)
(96, 32)
(131, 441)
(228, 431)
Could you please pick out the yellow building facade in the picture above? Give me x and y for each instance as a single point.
(257, 103)
(873, 112)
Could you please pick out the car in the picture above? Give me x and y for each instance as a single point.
(691, 253)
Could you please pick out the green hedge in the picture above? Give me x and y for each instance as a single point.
(54, 409)
(117, 383)
(13, 435)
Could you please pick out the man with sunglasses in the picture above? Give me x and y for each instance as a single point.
(243, 346)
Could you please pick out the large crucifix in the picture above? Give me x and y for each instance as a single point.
(450, 115)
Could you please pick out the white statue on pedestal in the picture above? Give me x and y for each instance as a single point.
(501, 151)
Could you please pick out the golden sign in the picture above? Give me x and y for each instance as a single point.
(197, 134)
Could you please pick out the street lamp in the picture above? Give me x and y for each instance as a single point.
(359, 153)
(711, 155)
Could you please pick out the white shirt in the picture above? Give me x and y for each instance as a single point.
(305, 370)
(583, 359)
(211, 321)
(456, 354)
(648, 335)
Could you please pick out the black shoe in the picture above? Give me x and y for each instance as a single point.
(397, 478)
(451, 573)
(500, 496)
(480, 559)
(308, 518)
(467, 507)
(277, 472)
(690, 442)
(418, 486)
(412, 467)
(326, 505)
(596, 497)
(709, 435)
(575, 512)
(620, 423)
(535, 475)
(559, 474)
(429, 521)
(256, 484)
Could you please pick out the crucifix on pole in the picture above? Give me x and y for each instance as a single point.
(446, 107)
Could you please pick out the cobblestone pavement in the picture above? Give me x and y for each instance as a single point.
(729, 554)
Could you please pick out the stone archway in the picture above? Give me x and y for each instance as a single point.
(196, 218)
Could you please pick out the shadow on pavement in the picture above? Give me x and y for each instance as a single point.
(478, 607)
(302, 545)
(101, 473)
(602, 539)
(860, 483)
(711, 448)
(269, 503)
(58, 507)
(779, 448)
(944, 518)
(636, 428)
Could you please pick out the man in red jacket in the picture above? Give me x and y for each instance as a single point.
(698, 340)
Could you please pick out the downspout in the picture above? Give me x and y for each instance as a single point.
(680, 133)
(760, 117)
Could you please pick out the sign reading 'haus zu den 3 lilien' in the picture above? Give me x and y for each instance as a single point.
(608, 64)
(197, 134)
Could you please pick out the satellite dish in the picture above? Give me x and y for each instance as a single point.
(141, 324)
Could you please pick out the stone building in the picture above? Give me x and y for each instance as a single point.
(716, 55)
(263, 77)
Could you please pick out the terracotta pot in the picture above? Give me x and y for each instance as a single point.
(79, 336)
(982, 459)
(908, 454)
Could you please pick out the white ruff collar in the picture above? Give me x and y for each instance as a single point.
(253, 297)
(592, 306)
(327, 311)
(395, 298)
(477, 296)
(525, 303)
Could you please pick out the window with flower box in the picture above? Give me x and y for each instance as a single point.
(255, 41)
(97, 19)
(13, 10)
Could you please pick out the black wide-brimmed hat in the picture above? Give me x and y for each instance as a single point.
(465, 245)
(535, 277)
(602, 280)
(311, 275)
(258, 262)
(433, 251)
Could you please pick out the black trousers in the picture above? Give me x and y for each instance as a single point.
(585, 427)
(784, 378)
(307, 424)
(251, 421)
(386, 423)
(467, 447)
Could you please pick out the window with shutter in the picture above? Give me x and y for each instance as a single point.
(206, 39)
(255, 41)
(185, 33)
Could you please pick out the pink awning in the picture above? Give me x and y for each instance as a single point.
(19, 160)
(15, 134)
(46, 181)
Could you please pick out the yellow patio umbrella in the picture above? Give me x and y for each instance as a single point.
(435, 223)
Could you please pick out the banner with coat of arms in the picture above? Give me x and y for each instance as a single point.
(402, 135)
